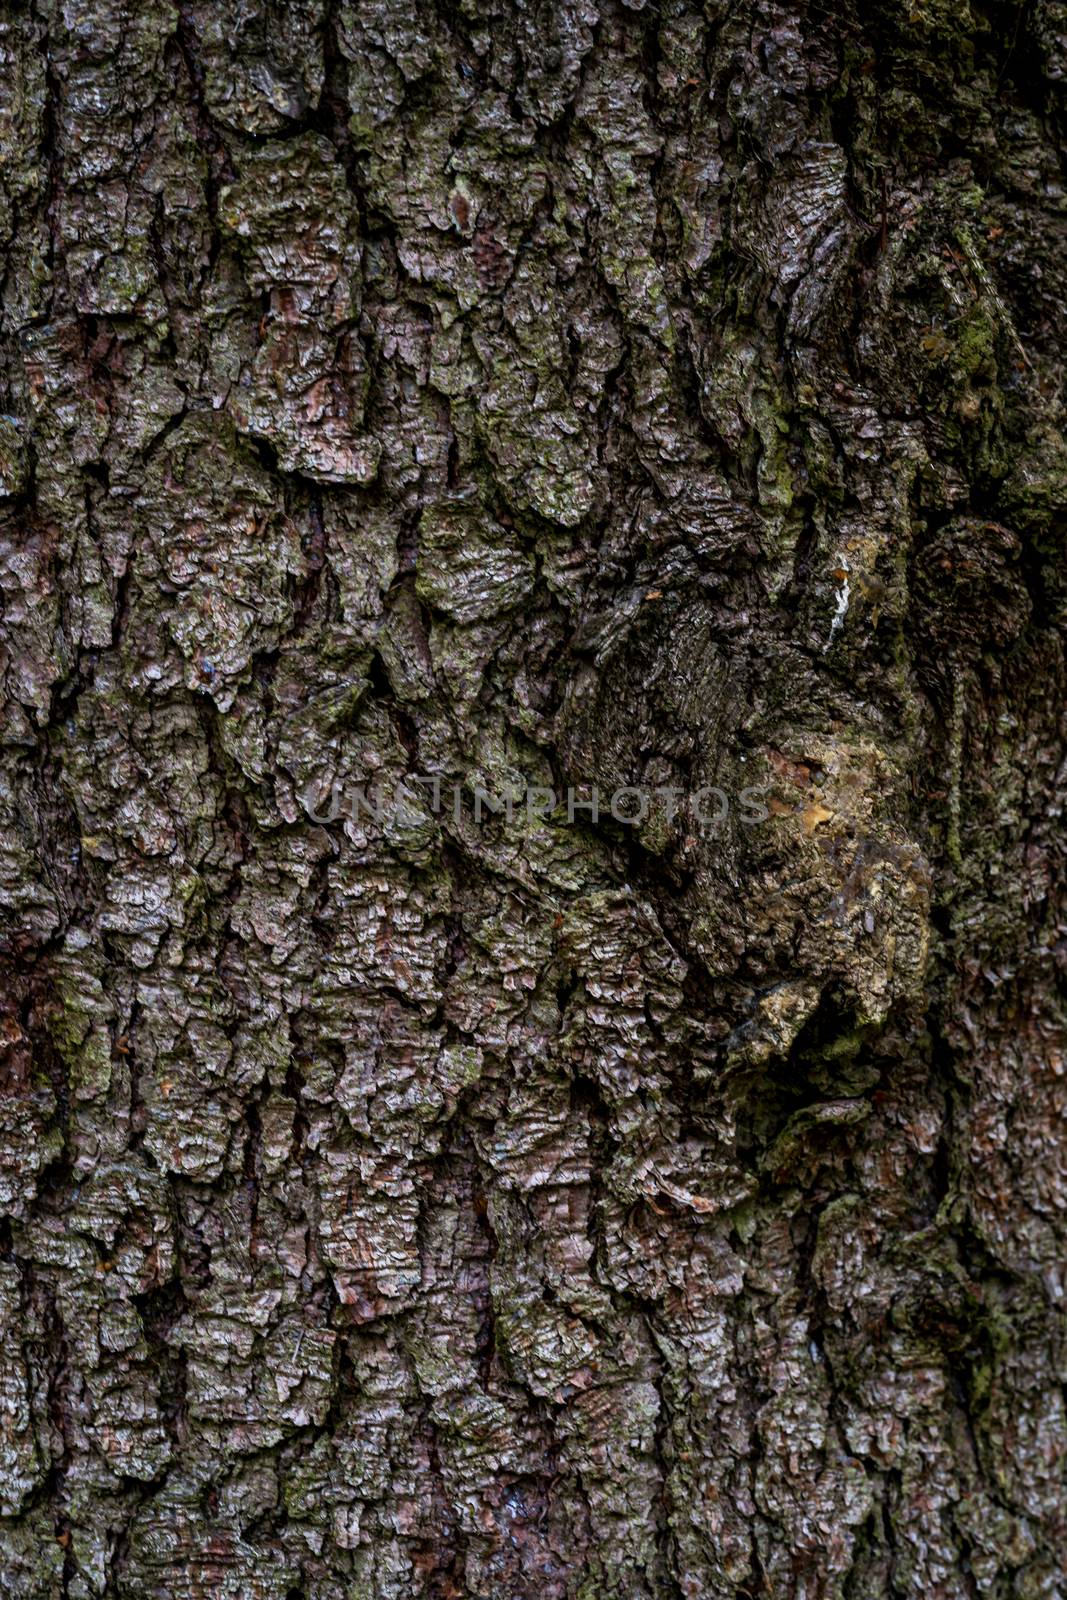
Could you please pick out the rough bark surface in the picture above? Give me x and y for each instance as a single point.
(532, 395)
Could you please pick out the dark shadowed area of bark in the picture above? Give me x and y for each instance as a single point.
(532, 395)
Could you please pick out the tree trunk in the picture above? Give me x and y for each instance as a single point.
(415, 1194)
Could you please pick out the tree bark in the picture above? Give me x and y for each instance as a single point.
(445, 1199)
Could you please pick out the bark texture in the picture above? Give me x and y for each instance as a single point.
(544, 394)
